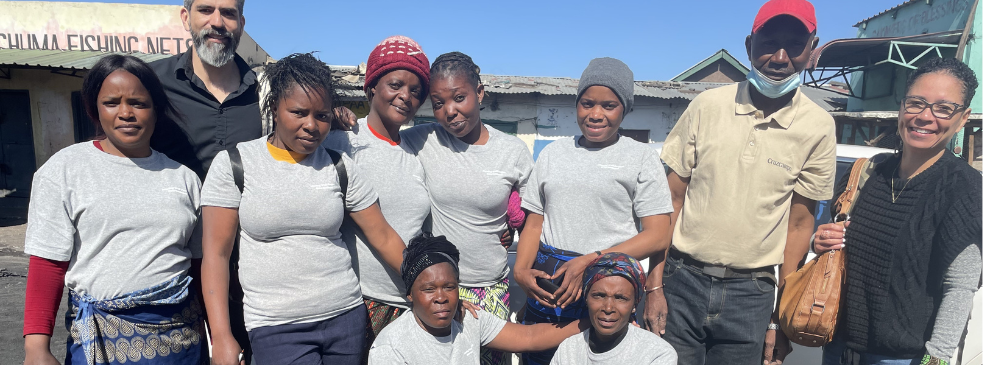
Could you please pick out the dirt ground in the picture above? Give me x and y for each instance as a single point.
(13, 280)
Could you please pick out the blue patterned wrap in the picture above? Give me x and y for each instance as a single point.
(158, 325)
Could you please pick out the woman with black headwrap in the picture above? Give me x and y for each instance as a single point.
(614, 284)
(431, 335)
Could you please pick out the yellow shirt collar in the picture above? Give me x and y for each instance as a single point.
(287, 156)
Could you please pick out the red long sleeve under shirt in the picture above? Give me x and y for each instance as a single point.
(45, 285)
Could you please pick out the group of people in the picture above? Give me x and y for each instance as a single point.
(320, 239)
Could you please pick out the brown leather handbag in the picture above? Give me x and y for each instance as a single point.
(809, 302)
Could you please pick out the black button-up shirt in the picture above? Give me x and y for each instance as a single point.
(205, 126)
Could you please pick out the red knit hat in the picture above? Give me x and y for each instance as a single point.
(398, 53)
(800, 9)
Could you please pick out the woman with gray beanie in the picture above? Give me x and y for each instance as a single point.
(585, 198)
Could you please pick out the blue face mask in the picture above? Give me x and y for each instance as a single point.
(770, 88)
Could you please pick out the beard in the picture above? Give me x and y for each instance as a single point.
(215, 54)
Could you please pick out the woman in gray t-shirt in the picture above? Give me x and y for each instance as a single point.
(471, 170)
(115, 222)
(301, 299)
(397, 80)
(613, 285)
(587, 196)
(430, 333)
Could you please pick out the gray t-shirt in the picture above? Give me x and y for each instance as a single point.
(639, 347)
(405, 342)
(469, 189)
(293, 265)
(591, 198)
(123, 224)
(397, 176)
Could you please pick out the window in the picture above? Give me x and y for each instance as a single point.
(641, 135)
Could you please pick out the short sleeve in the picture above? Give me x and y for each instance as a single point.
(360, 194)
(652, 195)
(815, 181)
(385, 355)
(50, 225)
(532, 194)
(679, 149)
(490, 325)
(194, 242)
(523, 167)
(220, 189)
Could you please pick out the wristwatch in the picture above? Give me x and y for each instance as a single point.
(774, 326)
(932, 360)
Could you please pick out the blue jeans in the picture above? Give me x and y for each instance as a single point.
(833, 354)
(337, 340)
(716, 320)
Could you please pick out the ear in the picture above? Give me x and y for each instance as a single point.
(481, 92)
(747, 46)
(410, 297)
(242, 22)
(964, 118)
(815, 42)
(185, 19)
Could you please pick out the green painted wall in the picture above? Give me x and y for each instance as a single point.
(887, 82)
(973, 55)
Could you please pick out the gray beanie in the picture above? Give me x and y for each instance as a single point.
(613, 74)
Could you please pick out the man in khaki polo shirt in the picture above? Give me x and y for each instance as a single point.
(748, 162)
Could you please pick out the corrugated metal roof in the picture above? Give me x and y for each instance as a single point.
(884, 12)
(349, 81)
(72, 60)
(568, 86)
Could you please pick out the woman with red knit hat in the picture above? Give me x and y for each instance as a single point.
(397, 80)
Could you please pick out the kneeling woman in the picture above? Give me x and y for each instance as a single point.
(431, 335)
(114, 221)
(301, 297)
(614, 284)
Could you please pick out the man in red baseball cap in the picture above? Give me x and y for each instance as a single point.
(766, 156)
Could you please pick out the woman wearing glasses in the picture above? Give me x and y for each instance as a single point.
(913, 242)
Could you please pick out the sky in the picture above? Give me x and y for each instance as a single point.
(658, 39)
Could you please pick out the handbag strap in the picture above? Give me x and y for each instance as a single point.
(861, 170)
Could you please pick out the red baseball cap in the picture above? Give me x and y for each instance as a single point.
(800, 9)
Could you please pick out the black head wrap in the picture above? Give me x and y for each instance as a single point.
(425, 251)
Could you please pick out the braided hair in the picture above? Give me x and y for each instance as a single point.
(455, 63)
(301, 69)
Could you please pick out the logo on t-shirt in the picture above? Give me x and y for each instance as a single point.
(779, 164)
(610, 167)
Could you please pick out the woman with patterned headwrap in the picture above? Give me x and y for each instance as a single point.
(431, 335)
(614, 284)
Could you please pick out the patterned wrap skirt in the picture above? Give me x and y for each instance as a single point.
(157, 325)
(495, 300)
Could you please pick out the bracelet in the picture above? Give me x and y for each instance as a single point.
(774, 326)
(599, 254)
(654, 289)
(931, 360)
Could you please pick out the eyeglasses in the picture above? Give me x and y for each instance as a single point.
(941, 110)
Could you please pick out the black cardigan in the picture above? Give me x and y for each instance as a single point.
(897, 253)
